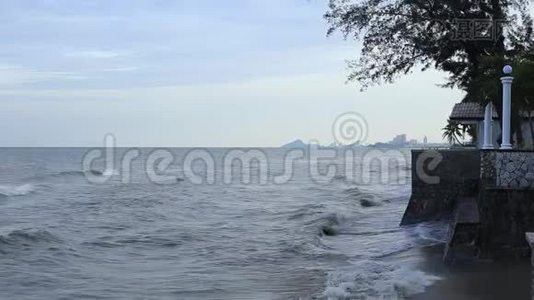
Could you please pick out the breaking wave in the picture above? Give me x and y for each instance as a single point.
(375, 280)
(329, 225)
(16, 190)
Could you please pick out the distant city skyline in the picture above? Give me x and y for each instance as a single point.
(398, 140)
(193, 74)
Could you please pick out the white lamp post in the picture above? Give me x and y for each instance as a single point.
(506, 107)
(488, 124)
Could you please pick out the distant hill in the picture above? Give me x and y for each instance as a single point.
(296, 144)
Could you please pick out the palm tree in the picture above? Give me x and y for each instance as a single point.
(452, 132)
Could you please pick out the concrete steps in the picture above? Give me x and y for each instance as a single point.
(463, 231)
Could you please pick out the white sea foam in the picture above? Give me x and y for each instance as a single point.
(110, 172)
(376, 280)
(431, 233)
(14, 190)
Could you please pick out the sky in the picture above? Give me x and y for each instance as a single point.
(193, 73)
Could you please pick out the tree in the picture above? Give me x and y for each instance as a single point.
(400, 35)
(485, 87)
(452, 133)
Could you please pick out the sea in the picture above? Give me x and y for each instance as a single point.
(215, 223)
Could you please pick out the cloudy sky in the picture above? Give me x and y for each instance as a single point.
(192, 73)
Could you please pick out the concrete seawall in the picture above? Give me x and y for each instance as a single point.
(505, 216)
(506, 202)
(488, 196)
(458, 172)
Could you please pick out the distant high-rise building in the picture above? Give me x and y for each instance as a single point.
(425, 140)
(399, 140)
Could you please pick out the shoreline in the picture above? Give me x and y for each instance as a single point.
(475, 280)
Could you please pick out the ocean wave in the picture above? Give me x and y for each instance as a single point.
(340, 177)
(80, 173)
(431, 233)
(151, 241)
(368, 202)
(307, 210)
(328, 225)
(148, 241)
(365, 199)
(312, 249)
(376, 280)
(72, 173)
(26, 237)
(353, 191)
(16, 190)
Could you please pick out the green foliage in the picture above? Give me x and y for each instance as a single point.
(453, 132)
(400, 35)
(485, 85)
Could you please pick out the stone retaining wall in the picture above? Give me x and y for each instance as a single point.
(506, 202)
(508, 169)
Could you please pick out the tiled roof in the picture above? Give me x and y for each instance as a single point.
(469, 111)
